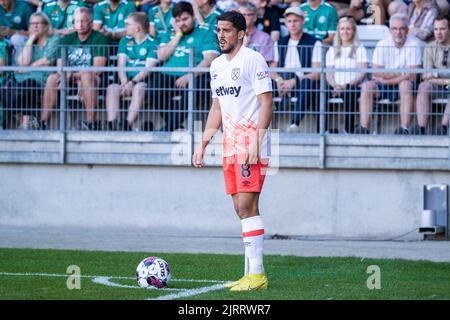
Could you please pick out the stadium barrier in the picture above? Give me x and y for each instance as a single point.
(172, 116)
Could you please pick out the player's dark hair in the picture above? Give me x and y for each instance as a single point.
(181, 7)
(236, 18)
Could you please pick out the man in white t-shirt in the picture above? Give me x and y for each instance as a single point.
(297, 50)
(242, 104)
(399, 51)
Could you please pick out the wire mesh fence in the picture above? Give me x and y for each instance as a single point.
(94, 98)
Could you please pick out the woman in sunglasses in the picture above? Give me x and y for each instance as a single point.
(39, 51)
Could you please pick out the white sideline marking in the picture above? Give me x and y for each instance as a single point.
(93, 276)
(190, 292)
(105, 280)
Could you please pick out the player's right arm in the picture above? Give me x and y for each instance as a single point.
(212, 126)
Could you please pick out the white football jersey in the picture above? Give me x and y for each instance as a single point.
(236, 84)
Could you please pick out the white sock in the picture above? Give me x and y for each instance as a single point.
(246, 266)
(253, 236)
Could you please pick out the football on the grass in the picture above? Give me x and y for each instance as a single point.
(153, 272)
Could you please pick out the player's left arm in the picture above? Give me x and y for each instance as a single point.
(265, 114)
(265, 117)
(259, 75)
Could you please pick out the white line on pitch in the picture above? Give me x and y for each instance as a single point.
(189, 292)
(107, 282)
(93, 276)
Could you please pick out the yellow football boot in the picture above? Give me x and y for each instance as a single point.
(252, 282)
(231, 284)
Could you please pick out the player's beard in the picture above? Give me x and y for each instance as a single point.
(228, 50)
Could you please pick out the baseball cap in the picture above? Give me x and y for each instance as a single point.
(295, 10)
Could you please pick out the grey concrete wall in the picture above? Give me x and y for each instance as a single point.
(307, 202)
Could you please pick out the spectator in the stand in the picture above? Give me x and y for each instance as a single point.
(175, 53)
(320, 20)
(421, 15)
(161, 20)
(136, 49)
(356, 9)
(401, 6)
(267, 19)
(435, 84)
(279, 6)
(255, 38)
(228, 5)
(206, 13)
(398, 7)
(3, 62)
(338, 4)
(35, 4)
(85, 48)
(14, 17)
(444, 6)
(346, 53)
(110, 16)
(297, 50)
(398, 51)
(145, 5)
(60, 13)
(39, 51)
(372, 11)
(90, 3)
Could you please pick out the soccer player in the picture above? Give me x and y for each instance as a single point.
(242, 104)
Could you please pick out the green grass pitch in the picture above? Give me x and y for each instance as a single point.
(42, 274)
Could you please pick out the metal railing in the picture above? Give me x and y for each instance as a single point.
(314, 107)
(168, 108)
(323, 138)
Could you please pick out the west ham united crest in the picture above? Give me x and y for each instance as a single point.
(235, 73)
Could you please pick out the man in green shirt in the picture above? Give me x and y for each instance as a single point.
(206, 13)
(60, 13)
(110, 16)
(160, 19)
(14, 17)
(320, 20)
(85, 47)
(136, 49)
(175, 53)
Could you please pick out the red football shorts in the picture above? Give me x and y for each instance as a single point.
(240, 177)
